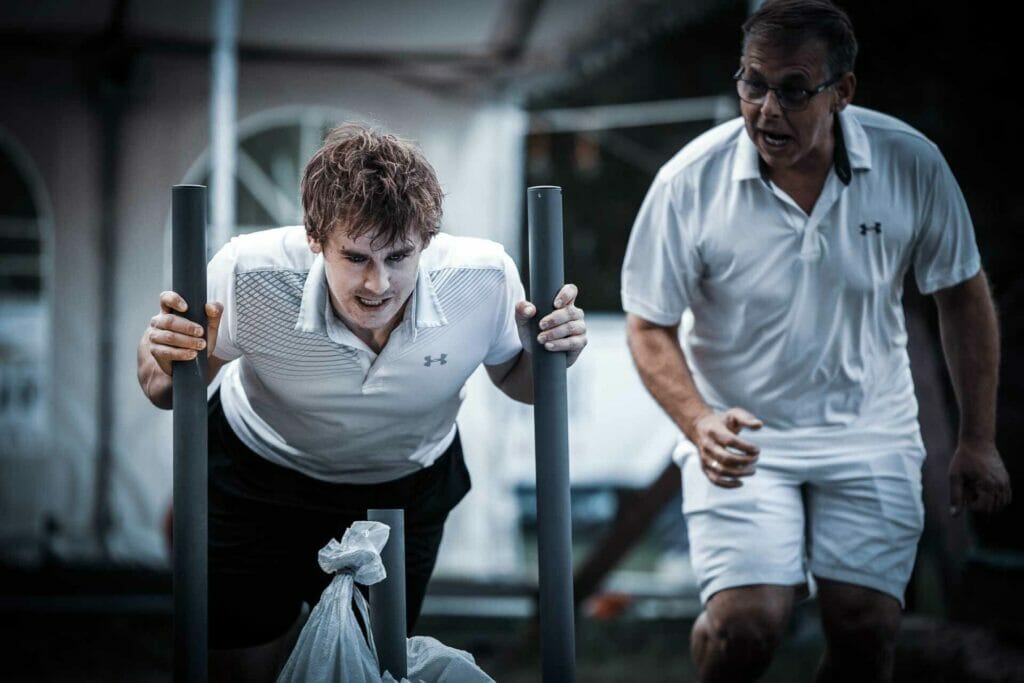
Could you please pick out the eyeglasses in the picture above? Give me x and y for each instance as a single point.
(789, 97)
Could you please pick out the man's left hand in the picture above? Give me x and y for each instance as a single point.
(561, 330)
(978, 479)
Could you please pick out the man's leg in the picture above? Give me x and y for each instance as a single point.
(746, 547)
(438, 489)
(422, 542)
(735, 637)
(259, 663)
(866, 519)
(260, 557)
(861, 626)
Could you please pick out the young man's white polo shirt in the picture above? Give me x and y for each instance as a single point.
(799, 318)
(307, 394)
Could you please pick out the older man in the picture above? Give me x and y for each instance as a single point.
(787, 234)
(354, 336)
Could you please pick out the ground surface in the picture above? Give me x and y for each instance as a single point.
(92, 646)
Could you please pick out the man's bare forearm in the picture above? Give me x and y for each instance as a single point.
(517, 383)
(659, 359)
(157, 385)
(970, 341)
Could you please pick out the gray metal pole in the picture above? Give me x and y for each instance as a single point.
(188, 261)
(551, 436)
(387, 598)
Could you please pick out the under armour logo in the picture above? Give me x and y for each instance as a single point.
(865, 228)
(428, 361)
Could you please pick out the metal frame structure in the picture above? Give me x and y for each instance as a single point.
(188, 217)
(551, 435)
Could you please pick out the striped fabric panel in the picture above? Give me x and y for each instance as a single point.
(461, 291)
(267, 304)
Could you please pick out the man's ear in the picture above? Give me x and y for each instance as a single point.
(844, 90)
(314, 246)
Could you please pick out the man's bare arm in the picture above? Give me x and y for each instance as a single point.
(970, 341)
(514, 377)
(663, 369)
(171, 337)
(662, 366)
(562, 330)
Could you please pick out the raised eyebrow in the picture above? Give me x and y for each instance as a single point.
(795, 78)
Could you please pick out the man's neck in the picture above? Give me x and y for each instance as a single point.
(805, 181)
(375, 339)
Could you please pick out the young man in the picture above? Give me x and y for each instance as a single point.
(787, 233)
(354, 337)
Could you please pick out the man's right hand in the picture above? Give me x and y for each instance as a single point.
(173, 337)
(724, 456)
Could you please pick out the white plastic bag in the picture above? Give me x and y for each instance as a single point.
(431, 661)
(332, 647)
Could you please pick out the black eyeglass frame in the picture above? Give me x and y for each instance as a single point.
(738, 76)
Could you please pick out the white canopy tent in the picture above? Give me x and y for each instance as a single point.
(110, 106)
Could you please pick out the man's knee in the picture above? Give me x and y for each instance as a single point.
(748, 626)
(863, 631)
(860, 621)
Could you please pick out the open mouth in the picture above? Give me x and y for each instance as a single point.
(775, 139)
(372, 303)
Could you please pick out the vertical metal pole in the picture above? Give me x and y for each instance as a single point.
(188, 252)
(387, 598)
(223, 113)
(551, 435)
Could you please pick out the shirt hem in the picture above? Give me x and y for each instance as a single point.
(961, 274)
(649, 313)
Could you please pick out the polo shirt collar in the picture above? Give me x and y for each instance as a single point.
(852, 151)
(316, 315)
(426, 307)
(746, 163)
(858, 149)
(314, 296)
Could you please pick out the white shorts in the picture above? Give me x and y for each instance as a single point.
(854, 518)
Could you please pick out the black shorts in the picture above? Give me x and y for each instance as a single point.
(267, 523)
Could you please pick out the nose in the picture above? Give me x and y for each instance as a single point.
(376, 280)
(771, 108)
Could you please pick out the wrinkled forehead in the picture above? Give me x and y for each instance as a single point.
(806, 58)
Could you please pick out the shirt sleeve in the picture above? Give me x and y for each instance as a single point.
(661, 270)
(505, 343)
(220, 287)
(945, 252)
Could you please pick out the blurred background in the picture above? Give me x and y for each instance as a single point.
(105, 105)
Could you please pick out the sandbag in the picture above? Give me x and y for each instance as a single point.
(332, 647)
(431, 661)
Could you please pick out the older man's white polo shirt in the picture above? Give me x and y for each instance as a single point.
(797, 317)
(307, 394)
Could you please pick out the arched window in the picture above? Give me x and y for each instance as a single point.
(24, 302)
(273, 148)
